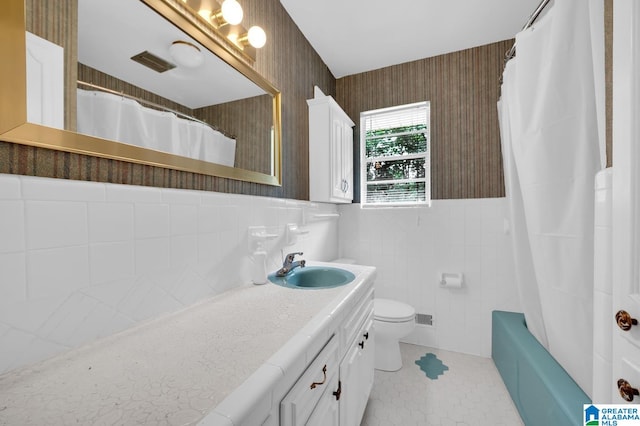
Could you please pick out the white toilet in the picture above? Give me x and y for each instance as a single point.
(392, 321)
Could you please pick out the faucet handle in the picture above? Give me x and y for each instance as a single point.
(290, 256)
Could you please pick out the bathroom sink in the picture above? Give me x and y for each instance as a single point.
(311, 277)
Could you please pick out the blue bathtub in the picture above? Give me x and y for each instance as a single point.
(541, 389)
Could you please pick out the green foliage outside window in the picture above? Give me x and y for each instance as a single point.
(399, 141)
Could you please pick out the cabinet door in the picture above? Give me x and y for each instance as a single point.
(341, 159)
(349, 381)
(356, 376)
(367, 362)
(327, 411)
(299, 404)
(347, 160)
(338, 183)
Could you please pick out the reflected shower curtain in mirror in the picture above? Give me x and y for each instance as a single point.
(120, 119)
(551, 154)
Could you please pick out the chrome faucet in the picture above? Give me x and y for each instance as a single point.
(289, 264)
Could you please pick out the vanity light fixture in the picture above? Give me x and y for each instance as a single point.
(230, 13)
(246, 41)
(186, 54)
(256, 37)
(226, 20)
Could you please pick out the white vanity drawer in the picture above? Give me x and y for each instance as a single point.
(299, 403)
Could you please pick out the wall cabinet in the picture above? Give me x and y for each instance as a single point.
(335, 386)
(330, 152)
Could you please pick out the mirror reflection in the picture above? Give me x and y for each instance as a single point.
(144, 82)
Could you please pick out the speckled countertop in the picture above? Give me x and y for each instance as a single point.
(170, 371)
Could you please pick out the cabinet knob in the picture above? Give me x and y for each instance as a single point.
(344, 185)
(361, 344)
(324, 379)
(366, 335)
(339, 391)
(624, 320)
(626, 390)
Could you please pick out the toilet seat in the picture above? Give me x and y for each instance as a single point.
(392, 311)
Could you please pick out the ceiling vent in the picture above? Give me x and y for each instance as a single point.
(152, 61)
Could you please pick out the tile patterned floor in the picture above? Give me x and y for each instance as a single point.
(470, 392)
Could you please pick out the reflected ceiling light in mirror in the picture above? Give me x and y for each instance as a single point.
(186, 54)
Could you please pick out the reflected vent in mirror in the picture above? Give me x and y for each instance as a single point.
(152, 61)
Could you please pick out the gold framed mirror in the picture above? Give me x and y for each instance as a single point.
(17, 128)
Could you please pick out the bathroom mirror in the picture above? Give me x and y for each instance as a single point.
(258, 158)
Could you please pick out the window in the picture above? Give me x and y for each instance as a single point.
(395, 156)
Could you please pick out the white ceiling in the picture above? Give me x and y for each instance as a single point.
(354, 36)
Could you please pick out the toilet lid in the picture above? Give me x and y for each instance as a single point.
(392, 311)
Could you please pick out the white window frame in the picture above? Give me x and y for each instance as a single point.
(426, 155)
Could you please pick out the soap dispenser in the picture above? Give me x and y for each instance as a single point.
(259, 273)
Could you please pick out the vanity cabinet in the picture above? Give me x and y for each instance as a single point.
(330, 152)
(335, 386)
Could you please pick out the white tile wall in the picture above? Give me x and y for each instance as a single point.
(603, 312)
(82, 260)
(411, 247)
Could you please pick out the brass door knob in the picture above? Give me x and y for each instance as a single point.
(625, 321)
(626, 390)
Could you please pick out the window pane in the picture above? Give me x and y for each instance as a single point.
(382, 193)
(395, 170)
(379, 145)
(395, 155)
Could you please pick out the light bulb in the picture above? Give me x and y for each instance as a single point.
(232, 12)
(205, 13)
(257, 37)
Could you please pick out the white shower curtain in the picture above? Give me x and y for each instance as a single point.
(116, 118)
(551, 154)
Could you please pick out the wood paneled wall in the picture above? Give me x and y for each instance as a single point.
(463, 88)
(250, 121)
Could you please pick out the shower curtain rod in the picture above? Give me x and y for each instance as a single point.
(154, 105)
(536, 13)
